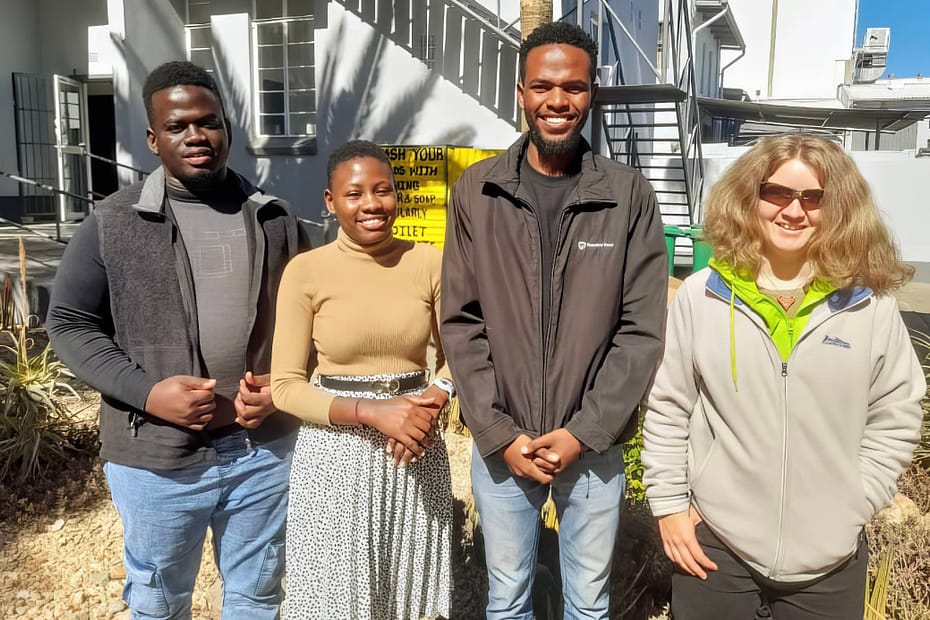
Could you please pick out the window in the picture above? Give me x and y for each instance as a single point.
(282, 70)
(200, 46)
(198, 11)
(282, 60)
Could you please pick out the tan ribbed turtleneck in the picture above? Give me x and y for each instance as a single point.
(348, 309)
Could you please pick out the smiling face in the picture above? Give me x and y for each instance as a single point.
(556, 95)
(188, 133)
(361, 195)
(788, 230)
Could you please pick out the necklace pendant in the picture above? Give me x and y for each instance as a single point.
(786, 301)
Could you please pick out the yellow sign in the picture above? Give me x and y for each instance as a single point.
(423, 177)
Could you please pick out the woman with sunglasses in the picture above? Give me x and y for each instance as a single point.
(787, 403)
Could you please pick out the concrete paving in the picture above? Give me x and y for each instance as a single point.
(43, 253)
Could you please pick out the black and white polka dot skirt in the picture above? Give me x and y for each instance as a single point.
(366, 539)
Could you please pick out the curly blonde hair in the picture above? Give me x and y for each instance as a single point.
(851, 246)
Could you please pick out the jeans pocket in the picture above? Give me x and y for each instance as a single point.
(144, 593)
(269, 577)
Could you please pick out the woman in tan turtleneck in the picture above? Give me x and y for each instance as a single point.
(370, 514)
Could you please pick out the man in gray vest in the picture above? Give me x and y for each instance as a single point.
(164, 301)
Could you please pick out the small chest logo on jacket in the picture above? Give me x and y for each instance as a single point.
(836, 342)
(592, 245)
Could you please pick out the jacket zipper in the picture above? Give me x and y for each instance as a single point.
(544, 329)
(547, 327)
(784, 476)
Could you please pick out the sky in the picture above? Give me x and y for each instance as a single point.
(909, 21)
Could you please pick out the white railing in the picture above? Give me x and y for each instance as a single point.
(462, 42)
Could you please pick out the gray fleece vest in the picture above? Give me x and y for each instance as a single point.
(155, 320)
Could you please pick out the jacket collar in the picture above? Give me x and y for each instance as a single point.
(838, 300)
(593, 185)
(152, 197)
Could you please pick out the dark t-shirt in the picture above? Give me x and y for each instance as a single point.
(213, 229)
(548, 195)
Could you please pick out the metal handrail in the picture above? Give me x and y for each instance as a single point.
(112, 162)
(506, 36)
(48, 188)
(25, 228)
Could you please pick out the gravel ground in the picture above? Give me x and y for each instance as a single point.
(60, 548)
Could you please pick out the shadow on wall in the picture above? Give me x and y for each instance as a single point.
(129, 110)
(461, 46)
(343, 113)
(346, 100)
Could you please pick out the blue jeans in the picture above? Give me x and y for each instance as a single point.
(165, 514)
(587, 497)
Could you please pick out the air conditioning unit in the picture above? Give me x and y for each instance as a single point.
(872, 57)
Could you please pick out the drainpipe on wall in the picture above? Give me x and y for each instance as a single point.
(694, 33)
(723, 12)
(742, 52)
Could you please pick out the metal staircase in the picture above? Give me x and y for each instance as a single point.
(656, 127)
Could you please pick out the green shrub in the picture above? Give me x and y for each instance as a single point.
(633, 466)
(34, 423)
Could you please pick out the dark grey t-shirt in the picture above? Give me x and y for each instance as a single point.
(213, 230)
(548, 196)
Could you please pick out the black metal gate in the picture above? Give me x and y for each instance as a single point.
(34, 104)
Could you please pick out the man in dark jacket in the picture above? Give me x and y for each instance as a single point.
(553, 305)
(164, 301)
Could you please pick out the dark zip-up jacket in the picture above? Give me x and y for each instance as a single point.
(586, 370)
(123, 315)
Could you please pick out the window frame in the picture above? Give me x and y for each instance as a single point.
(287, 91)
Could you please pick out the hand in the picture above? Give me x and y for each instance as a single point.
(554, 452)
(183, 400)
(522, 465)
(681, 545)
(439, 396)
(406, 419)
(253, 402)
(401, 455)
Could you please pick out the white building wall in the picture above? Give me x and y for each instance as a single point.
(368, 87)
(63, 34)
(150, 32)
(377, 91)
(811, 36)
(19, 33)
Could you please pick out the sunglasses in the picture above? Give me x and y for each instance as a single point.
(782, 196)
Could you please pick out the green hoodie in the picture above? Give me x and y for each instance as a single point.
(783, 329)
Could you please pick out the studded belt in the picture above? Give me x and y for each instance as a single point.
(385, 385)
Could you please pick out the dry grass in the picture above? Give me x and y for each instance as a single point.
(908, 540)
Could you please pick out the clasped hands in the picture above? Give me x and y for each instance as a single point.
(409, 422)
(191, 402)
(543, 458)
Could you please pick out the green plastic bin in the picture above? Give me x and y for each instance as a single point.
(701, 252)
(672, 233)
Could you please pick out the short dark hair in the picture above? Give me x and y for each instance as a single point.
(559, 33)
(353, 149)
(177, 73)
